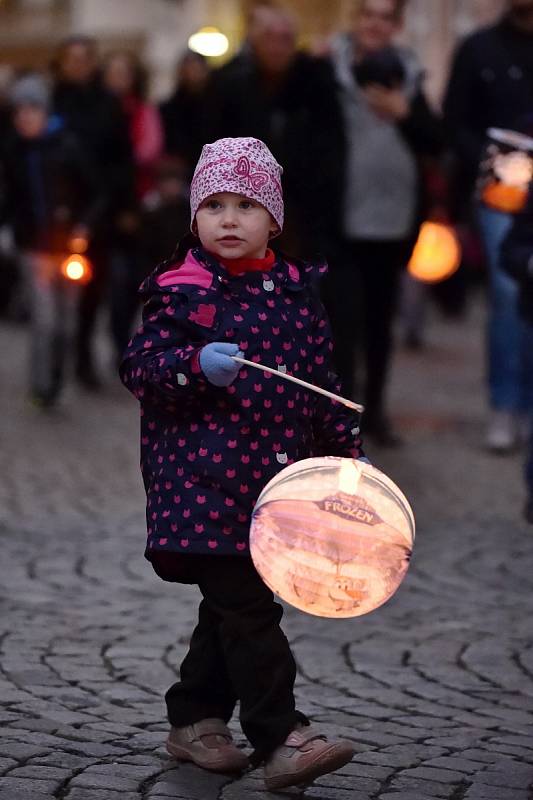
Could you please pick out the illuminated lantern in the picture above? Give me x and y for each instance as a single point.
(78, 244)
(437, 253)
(209, 42)
(76, 268)
(506, 171)
(332, 536)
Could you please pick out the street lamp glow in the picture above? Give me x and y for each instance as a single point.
(209, 42)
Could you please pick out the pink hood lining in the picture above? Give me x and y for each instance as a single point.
(190, 272)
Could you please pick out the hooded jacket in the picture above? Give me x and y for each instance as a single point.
(207, 452)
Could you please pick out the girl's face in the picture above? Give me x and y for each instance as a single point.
(233, 226)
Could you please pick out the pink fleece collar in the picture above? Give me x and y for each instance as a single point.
(191, 272)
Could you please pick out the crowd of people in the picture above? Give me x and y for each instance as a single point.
(88, 163)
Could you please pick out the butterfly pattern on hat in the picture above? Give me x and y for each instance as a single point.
(256, 180)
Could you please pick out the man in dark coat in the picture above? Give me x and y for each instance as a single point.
(286, 98)
(95, 117)
(491, 86)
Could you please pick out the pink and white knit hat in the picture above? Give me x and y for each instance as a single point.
(244, 166)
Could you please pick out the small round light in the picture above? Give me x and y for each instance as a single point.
(76, 268)
(209, 42)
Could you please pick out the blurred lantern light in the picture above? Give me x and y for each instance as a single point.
(77, 268)
(209, 42)
(78, 244)
(437, 253)
(506, 170)
(332, 536)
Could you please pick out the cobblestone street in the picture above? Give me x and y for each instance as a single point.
(435, 689)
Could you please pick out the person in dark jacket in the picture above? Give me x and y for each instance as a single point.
(491, 86)
(212, 437)
(51, 197)
(517, 260)
(286, 98)
(94, 115)
(164, 211)
(183, 114)
(389, 129)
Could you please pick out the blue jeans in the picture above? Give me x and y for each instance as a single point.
(528, 366)
(510, 385)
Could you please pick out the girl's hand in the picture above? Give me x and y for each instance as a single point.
(216, 362)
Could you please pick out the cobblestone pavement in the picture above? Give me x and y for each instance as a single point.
(435, 689)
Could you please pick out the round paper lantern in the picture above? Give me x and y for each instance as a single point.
(332, 536)
(506, 170)
(437, 253)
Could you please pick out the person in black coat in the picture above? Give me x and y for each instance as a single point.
(88, 110)
(517, 260)
(183, 114)
(287, 98)
(50, 197)
(491, 86)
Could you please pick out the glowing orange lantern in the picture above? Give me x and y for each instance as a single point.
(77, 268)
(437, 253)
(332, 536)
(78, 244)
(506, 170)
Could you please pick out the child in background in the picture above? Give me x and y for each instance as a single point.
(51, 197)
(213, 434)
(517, 260)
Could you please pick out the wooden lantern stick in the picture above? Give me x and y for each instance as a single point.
(312, 387)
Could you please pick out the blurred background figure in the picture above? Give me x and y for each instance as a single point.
(126, 78)
(90, 111)
(491, 85)
(11, 302)
(162, 218)
(286, 98)
(50, 197)
(166, 214)
(517, 260)
(183, 114)
(389, 128)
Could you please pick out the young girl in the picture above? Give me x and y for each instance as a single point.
(213, 434)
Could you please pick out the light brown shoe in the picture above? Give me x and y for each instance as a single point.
(209, 744)
(305, 755)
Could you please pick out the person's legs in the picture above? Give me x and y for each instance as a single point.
(527, 360)
(39, 275)
(204, 690)
(380, 265)
(341, 294)
(91, 295)
(257, 655)
(413, 307)
(505, 377)
(123, 297)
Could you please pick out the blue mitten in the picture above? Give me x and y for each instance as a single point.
(216, 364)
